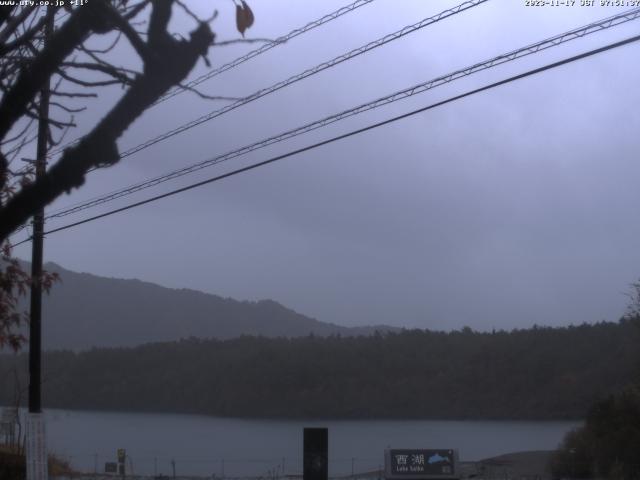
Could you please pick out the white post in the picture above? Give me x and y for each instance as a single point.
(37, 468)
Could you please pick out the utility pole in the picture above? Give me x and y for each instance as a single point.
(35, 312)
(36, 447)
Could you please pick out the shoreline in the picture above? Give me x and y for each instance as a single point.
(289, 418)
(525, 465)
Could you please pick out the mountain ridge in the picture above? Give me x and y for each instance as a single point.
(85, 310)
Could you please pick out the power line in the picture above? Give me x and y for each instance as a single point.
(305, 74)
(248, 56)
(264, 48)
(407, 92)
(351, 54)
(351, 133)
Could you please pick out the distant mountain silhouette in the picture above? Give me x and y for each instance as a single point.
(85, 311)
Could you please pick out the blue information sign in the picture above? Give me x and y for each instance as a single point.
(421, 463)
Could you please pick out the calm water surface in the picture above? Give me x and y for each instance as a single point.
(202, 445)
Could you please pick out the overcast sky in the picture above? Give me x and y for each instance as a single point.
(514, 207)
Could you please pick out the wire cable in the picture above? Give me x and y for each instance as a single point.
(404, 31)
(264, 48)
(402, 94)
(303, 75)
(351, 133)
(306, 74)
(248, 56)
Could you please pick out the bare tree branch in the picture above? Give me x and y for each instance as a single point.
(67, 109)
(54, 142)
(14, 23)
(58, 93)
(188, 11)
(62, 43)
(141, 48)
(102, 67)
(5, 13)
(56, 123)
(27, 36)
(13, 153)
(88, 83)
(204, 96)
(160, 16)
(246, 40)
(19, 134)
(135, 10)
(170, 62)
(91, 51)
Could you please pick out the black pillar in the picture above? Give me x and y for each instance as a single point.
(316, 458)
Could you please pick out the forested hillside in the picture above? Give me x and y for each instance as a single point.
(85, 311)
(540, 373)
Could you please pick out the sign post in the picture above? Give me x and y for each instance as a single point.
(421, 464)
(122, 455)
(315, 459)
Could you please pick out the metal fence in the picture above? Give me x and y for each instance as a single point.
(282, 468)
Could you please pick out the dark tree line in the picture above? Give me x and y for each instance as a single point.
(539, 373)
(608, 444)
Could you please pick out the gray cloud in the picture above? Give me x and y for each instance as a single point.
(513, 207)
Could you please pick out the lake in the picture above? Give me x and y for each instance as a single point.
(202, 445)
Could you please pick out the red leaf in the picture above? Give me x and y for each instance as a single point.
(244, 17)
